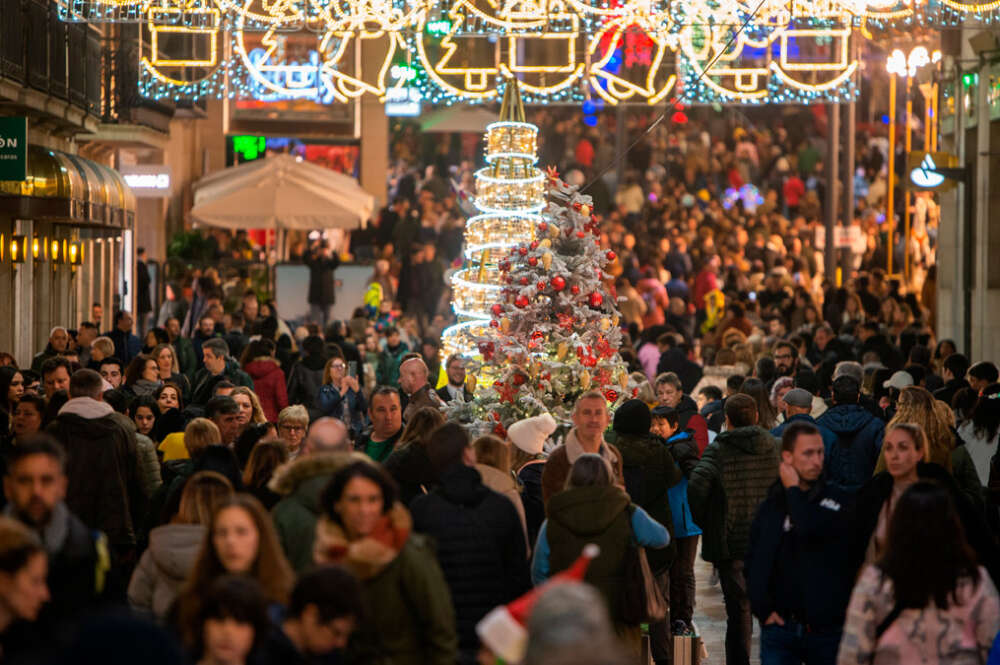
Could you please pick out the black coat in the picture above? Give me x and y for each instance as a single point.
(814, 556)
(480, 546)
(71, 578)
(412, 470)
(530, 477)
(321, 290)
(869, 502)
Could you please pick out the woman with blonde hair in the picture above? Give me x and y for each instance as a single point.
(199, 434)
(250, 408)
(166, 362)
(173, 547)
(493, 457)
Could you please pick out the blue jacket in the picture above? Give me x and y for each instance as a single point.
(850, 463)
(680, 510)
(805, 533)
(331, 403)
(648, 533)
(829, 438)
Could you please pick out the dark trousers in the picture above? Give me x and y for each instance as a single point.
(739, 622)
(682, 580)
(794, 644)
(661, 640)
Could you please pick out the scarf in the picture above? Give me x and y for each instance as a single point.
(368, 556)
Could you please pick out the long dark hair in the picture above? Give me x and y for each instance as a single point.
(766, 415)
(927, 570)
(986, 415)
(7, 373)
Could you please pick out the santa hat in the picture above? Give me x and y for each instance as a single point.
(503, 629)
(530, 434)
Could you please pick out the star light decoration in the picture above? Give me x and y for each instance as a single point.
(702, 51)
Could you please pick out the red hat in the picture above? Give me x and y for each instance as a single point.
(503, 629)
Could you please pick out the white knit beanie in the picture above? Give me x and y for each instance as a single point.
(530, 434)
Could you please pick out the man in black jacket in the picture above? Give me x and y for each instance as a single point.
(35, 487)
(480, 540)
(797, 565)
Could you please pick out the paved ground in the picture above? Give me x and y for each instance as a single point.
(710, 615)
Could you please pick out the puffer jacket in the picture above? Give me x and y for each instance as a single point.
(851, 461)
(164, 567)
(726, 487)
(269, 384)
(480, 546)
(682, 447)
(650, 471)
(301, 482)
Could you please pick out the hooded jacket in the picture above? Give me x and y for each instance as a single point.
(269, 384)
(401, 586)
(304, 381)
(851, 461)
(650, 471)
(301, 482)
(480, 546)
(389, 359)
(688, 418)
(726, 487)
(102, 467)
(164, 567)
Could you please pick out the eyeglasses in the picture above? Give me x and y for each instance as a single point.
(338, 366)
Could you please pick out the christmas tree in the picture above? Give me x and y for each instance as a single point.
(552, 330)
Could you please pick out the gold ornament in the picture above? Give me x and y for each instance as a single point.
(547, 260)
(546, 243)
(585, 380)
(605, 324)
(623, 380)
(585, 210)
(554, 230)
(561, 350)
(470, 383)
(615, 320)
(504, 325)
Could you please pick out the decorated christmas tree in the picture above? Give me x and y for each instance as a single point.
(551, 331)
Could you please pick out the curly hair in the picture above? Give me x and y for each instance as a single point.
(916, 406)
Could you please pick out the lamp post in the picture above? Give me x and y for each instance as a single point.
(895, 65)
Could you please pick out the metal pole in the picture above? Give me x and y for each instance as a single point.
(961, 313)
(890, 216)
(620, 143)
(832, 171)
(906, 190)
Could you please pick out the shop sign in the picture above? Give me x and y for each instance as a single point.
(13, 148)
(150, 181)
(403, 101)
(922, 173)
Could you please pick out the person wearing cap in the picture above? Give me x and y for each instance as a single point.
(851, 461)
(798, 405)
(798, 571)
(527, 438)
(650, 472)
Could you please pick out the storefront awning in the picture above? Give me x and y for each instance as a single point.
(69, 189)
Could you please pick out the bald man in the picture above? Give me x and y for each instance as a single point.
(327, 435)
(58, 343)
(413, 381)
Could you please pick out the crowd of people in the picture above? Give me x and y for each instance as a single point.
(233, 488)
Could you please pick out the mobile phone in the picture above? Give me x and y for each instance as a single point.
(352, 368)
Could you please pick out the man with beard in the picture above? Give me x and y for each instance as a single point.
(35, 488)
(785, 358)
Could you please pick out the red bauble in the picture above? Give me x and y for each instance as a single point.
(611, 395)
(532, 261)
(543, 226)
(523, 251)
(494, 323)
(558, 283)
(611, 255)
(487, 349)
(499, 430)
(541, 286)
(521, 301)
(519, 379)
(596, 299)
(504, 265)
(534, 244)
(575, 290)
(524, 281)
(581, 234)
(497, 309)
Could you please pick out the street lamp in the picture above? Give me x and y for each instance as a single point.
(905, 65)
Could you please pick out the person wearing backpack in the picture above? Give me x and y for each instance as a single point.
(851, 460)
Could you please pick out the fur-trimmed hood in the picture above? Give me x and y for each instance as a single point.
(368, 556)
(289, 476)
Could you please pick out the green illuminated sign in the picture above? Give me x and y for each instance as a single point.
(441, 27)
(13, 148)
(249, 147)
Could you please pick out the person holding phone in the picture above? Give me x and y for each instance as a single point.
(340, 395)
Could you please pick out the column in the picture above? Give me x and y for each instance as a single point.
(24, 301)
(374, 134)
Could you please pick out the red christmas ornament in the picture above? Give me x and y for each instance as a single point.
(596, 299)
(532, 261)
(611, 395)
(534, 244)
(497, 309)
(611, 255)
(487, 349)
(499, 430)
(494, 323)
(519, 379)
(522, 301)
(581, 234)
(577, 206)
(541, 286)
(537, 335)
(504, 265)
(575, 290)
(523, 251)
(524, 281)
(558, 283)
(543, 226)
